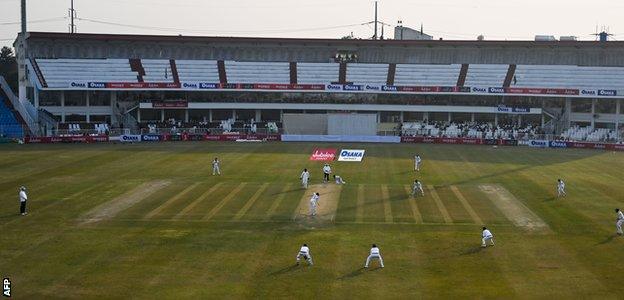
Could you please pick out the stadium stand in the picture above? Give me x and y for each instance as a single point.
(427, 75)
(588, 133)
(198, 70)
(486, 75)
(311, 73)
(9, 123)
(258, 72)
(59, 73)
(569, 77)
(157, 70)
(367, 73)
(470, 130)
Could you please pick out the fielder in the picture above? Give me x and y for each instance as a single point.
(339, 180)
(417, 188)
(216, 170)
(23, 198)
(305, 178)
(374, 254)
(305, 253)
(314, 203)
(619, 221)
(486, 236)
(417, 161)
(560, 188)
(326, 172)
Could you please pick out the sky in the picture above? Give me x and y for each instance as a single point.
(448, 19)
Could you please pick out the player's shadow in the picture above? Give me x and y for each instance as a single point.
(472, 250)
(286, 192)
(607, 240)
(550, 199)
(8, 216)
(284, 270)
(353, 274)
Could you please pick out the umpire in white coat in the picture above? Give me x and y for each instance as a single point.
(23, 198)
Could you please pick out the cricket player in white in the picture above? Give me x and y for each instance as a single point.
(326, 172)
(304, 253)
(486, 236)
(339, 180)
(417, 161)
(23, 198)
(215, 167)
(374, 254)
(560, 188)
(619, 221)
(314, 202)
(417, 188)
(305, 178)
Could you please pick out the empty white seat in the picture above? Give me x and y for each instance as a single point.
(427, 75)
(198, 70)
(257, 72)
(157, 70)
(61, 72)
(567, 76)
(486, 75)
(317, 73)
(367, 73)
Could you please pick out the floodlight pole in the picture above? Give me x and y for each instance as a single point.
(23, 16)
(375, 36)
(22, 55)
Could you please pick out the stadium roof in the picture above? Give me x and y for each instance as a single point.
(362, 42)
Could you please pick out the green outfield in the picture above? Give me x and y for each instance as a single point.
(150, 221)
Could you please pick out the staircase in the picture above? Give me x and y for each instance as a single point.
(23, 111)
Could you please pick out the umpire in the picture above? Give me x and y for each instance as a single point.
(23, 198)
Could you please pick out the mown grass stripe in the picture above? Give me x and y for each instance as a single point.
(385, 197)
(415, 211)
(466, 205)
(199, 199)
(224, 201)
(167, 203)
(277, 202)
(440, 205)
(359, 210)
(250, 202)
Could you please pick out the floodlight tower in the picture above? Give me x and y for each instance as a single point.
(22, 56)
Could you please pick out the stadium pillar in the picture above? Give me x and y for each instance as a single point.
(401, 117)
(88, 110)
(618, 110)
(568, 109)
(139, 115)
(234, 115)
(63, 106)
(495, 119)
(162, 115)
(258, 115)
(186, 115)
(36, 95)
(593, 113)
(472, 117)
(210, 115)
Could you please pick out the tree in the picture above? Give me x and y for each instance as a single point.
(8, 67)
